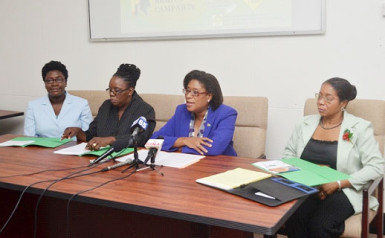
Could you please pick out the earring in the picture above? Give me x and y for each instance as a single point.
(342, 109)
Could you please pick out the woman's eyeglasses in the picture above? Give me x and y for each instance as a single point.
(327, 99)
(51, 81)
(194, 93)
(116, 92)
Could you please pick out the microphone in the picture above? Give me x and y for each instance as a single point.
(107, 153)
(128, 161)
(154, 145)
(137, 127)
(104, 155)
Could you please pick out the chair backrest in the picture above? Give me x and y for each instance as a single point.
(368, 109)
(164, 106)
(250, 127)
(95, 98)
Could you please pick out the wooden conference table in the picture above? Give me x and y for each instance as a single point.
(8, 114)
(145, 204)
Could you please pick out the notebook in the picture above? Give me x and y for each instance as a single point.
(233, 178)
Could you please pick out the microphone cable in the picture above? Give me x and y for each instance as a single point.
(87, 190)
(39, 172)
(53, 170)
(69, 177)
(18, 202)
(72, 175)
(21, 196)
(44, 181)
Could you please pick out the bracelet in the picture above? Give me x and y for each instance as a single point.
(339, 185)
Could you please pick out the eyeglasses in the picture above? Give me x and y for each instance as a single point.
(327, 99)
(51, 81)
(116, 92)
(195, 93)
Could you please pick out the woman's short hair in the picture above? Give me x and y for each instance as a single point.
(129, 73)
(54, 65)
(345, 90)
(210, 83)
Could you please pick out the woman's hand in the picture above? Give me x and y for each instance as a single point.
(196, 143)
(327, 189)
(98, 142)
(70, 132)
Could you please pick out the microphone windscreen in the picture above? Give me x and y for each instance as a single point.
(154, 143)
(119, 145)
(141, 123)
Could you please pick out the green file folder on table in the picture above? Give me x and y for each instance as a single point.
(114, 154)
(38, 141)
(312, 174)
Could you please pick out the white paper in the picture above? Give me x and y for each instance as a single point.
(78, 149)
(16, 143)
(168, 159)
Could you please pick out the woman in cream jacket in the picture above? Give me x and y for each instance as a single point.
(344, 142)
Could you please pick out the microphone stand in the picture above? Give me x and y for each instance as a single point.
(136, 161)
(153, 165)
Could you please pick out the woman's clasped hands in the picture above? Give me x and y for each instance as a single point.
(327, 189)
(197, 143)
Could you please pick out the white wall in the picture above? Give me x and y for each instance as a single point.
(286, 69)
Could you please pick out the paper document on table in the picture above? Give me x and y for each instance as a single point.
(37, 141)
(80, 149)
(16, 143)
(233, 178)
(168, 159)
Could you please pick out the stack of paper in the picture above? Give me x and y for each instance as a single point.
(233, 178)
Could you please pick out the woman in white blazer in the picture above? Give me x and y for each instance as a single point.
(344, 142)
(50, 115)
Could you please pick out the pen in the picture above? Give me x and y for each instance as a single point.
(264, 195)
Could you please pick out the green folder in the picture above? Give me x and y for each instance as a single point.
(41, 141)
(312, 174)
(114, 154)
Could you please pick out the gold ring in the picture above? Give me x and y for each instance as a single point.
(94, 144)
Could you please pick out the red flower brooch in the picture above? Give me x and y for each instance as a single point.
(347, 135)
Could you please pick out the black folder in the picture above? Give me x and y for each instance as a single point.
(279, 189)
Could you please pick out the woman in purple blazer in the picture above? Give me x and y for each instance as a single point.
(203, 125)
